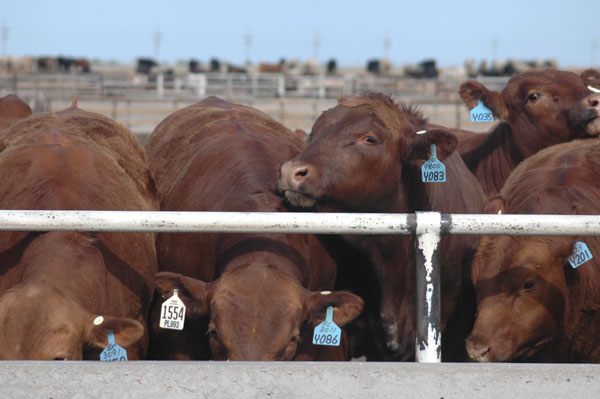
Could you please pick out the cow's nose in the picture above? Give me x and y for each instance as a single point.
(477, 349)
(295, 174)
(593, 102)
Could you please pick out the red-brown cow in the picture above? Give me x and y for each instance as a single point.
(260, 292)
(537, 109)
(54, 285)
(364, 156)
(532, 305)
(12, 108)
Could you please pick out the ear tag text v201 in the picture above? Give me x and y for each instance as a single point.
(481, 113)
(433, 171)
(113, 352)
(172, 313)
(327, 333)
(581, 254)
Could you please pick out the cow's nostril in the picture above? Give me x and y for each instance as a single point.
(300, 173)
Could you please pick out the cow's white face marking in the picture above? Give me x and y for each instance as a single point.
(592, 88)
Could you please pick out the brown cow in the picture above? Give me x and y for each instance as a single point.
(12, 108)
(364, 156)
(54, 285)
(537, 109)
(260, 292)
(532, 305)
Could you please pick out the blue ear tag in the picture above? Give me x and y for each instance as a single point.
(481, 113)
(327, 333)
(113, 352)
(433, 171)
(581, 254)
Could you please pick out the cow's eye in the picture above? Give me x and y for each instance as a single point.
(532, 97)
(212, 333)
(369, 140)
(530, 284)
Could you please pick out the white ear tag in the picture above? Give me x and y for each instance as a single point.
(481, 113)
(581, 254)
(433, 171)
(327, 333)
(172, 313)
(592, 88)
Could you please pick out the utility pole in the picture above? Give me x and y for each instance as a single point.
(248, 44)
(4, 38)
(386, 46)
(157, 37)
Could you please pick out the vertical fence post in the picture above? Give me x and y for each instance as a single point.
(428, 302)
(160, 85)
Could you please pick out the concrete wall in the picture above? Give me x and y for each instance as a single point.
(296, 380)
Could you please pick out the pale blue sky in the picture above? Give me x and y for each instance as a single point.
(350, 31)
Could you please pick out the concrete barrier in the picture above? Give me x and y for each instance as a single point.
(148, 379)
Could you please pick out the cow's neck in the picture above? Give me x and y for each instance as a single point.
(494, 159)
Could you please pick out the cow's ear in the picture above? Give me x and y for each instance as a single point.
(496, 204)
(420, 147)
(346, 307)
(591, 77)
(126, 331)
(193, 292)
(472, 91)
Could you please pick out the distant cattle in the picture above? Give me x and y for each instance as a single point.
(364, 156)
(12, 108)
(248, 296)
(62, 293)
(532, 304)
(536, 109)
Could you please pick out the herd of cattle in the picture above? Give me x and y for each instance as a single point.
(65, 295)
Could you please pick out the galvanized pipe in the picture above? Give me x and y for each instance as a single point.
(205, 222)
(428, 293)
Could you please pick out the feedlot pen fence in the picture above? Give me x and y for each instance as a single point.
(427, 227)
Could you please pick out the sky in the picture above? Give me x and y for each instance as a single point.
(351, 32)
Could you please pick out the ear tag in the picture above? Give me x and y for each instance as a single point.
(481, 113)
(581, 254)
(592, 88)
(113, 352)
(172, 313)
(433, 171)
(327, 333)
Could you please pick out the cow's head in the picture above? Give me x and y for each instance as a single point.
(356, 156)
(365, 155)
(542, 107)
(38, 322)
(521, 285)
(257, 312)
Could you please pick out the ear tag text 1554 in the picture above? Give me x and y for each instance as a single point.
(327, 333)
(113, 352)
(581, 254)
(481, 113)
(172, 313)
(433, 171)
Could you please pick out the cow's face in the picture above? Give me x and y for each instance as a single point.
(521, 296)
(256, 312)
(356, 156)
(542, 107)
(40, 323)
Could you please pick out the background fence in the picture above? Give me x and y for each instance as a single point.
(140, 102)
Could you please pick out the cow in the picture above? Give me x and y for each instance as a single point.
(536, 109)
(532, 304)
(365, 155)
(12, 108)
(63, 292)
(248, 296)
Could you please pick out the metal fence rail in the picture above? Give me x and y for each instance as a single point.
(426, 226)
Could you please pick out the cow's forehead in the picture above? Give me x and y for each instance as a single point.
(562, 81)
